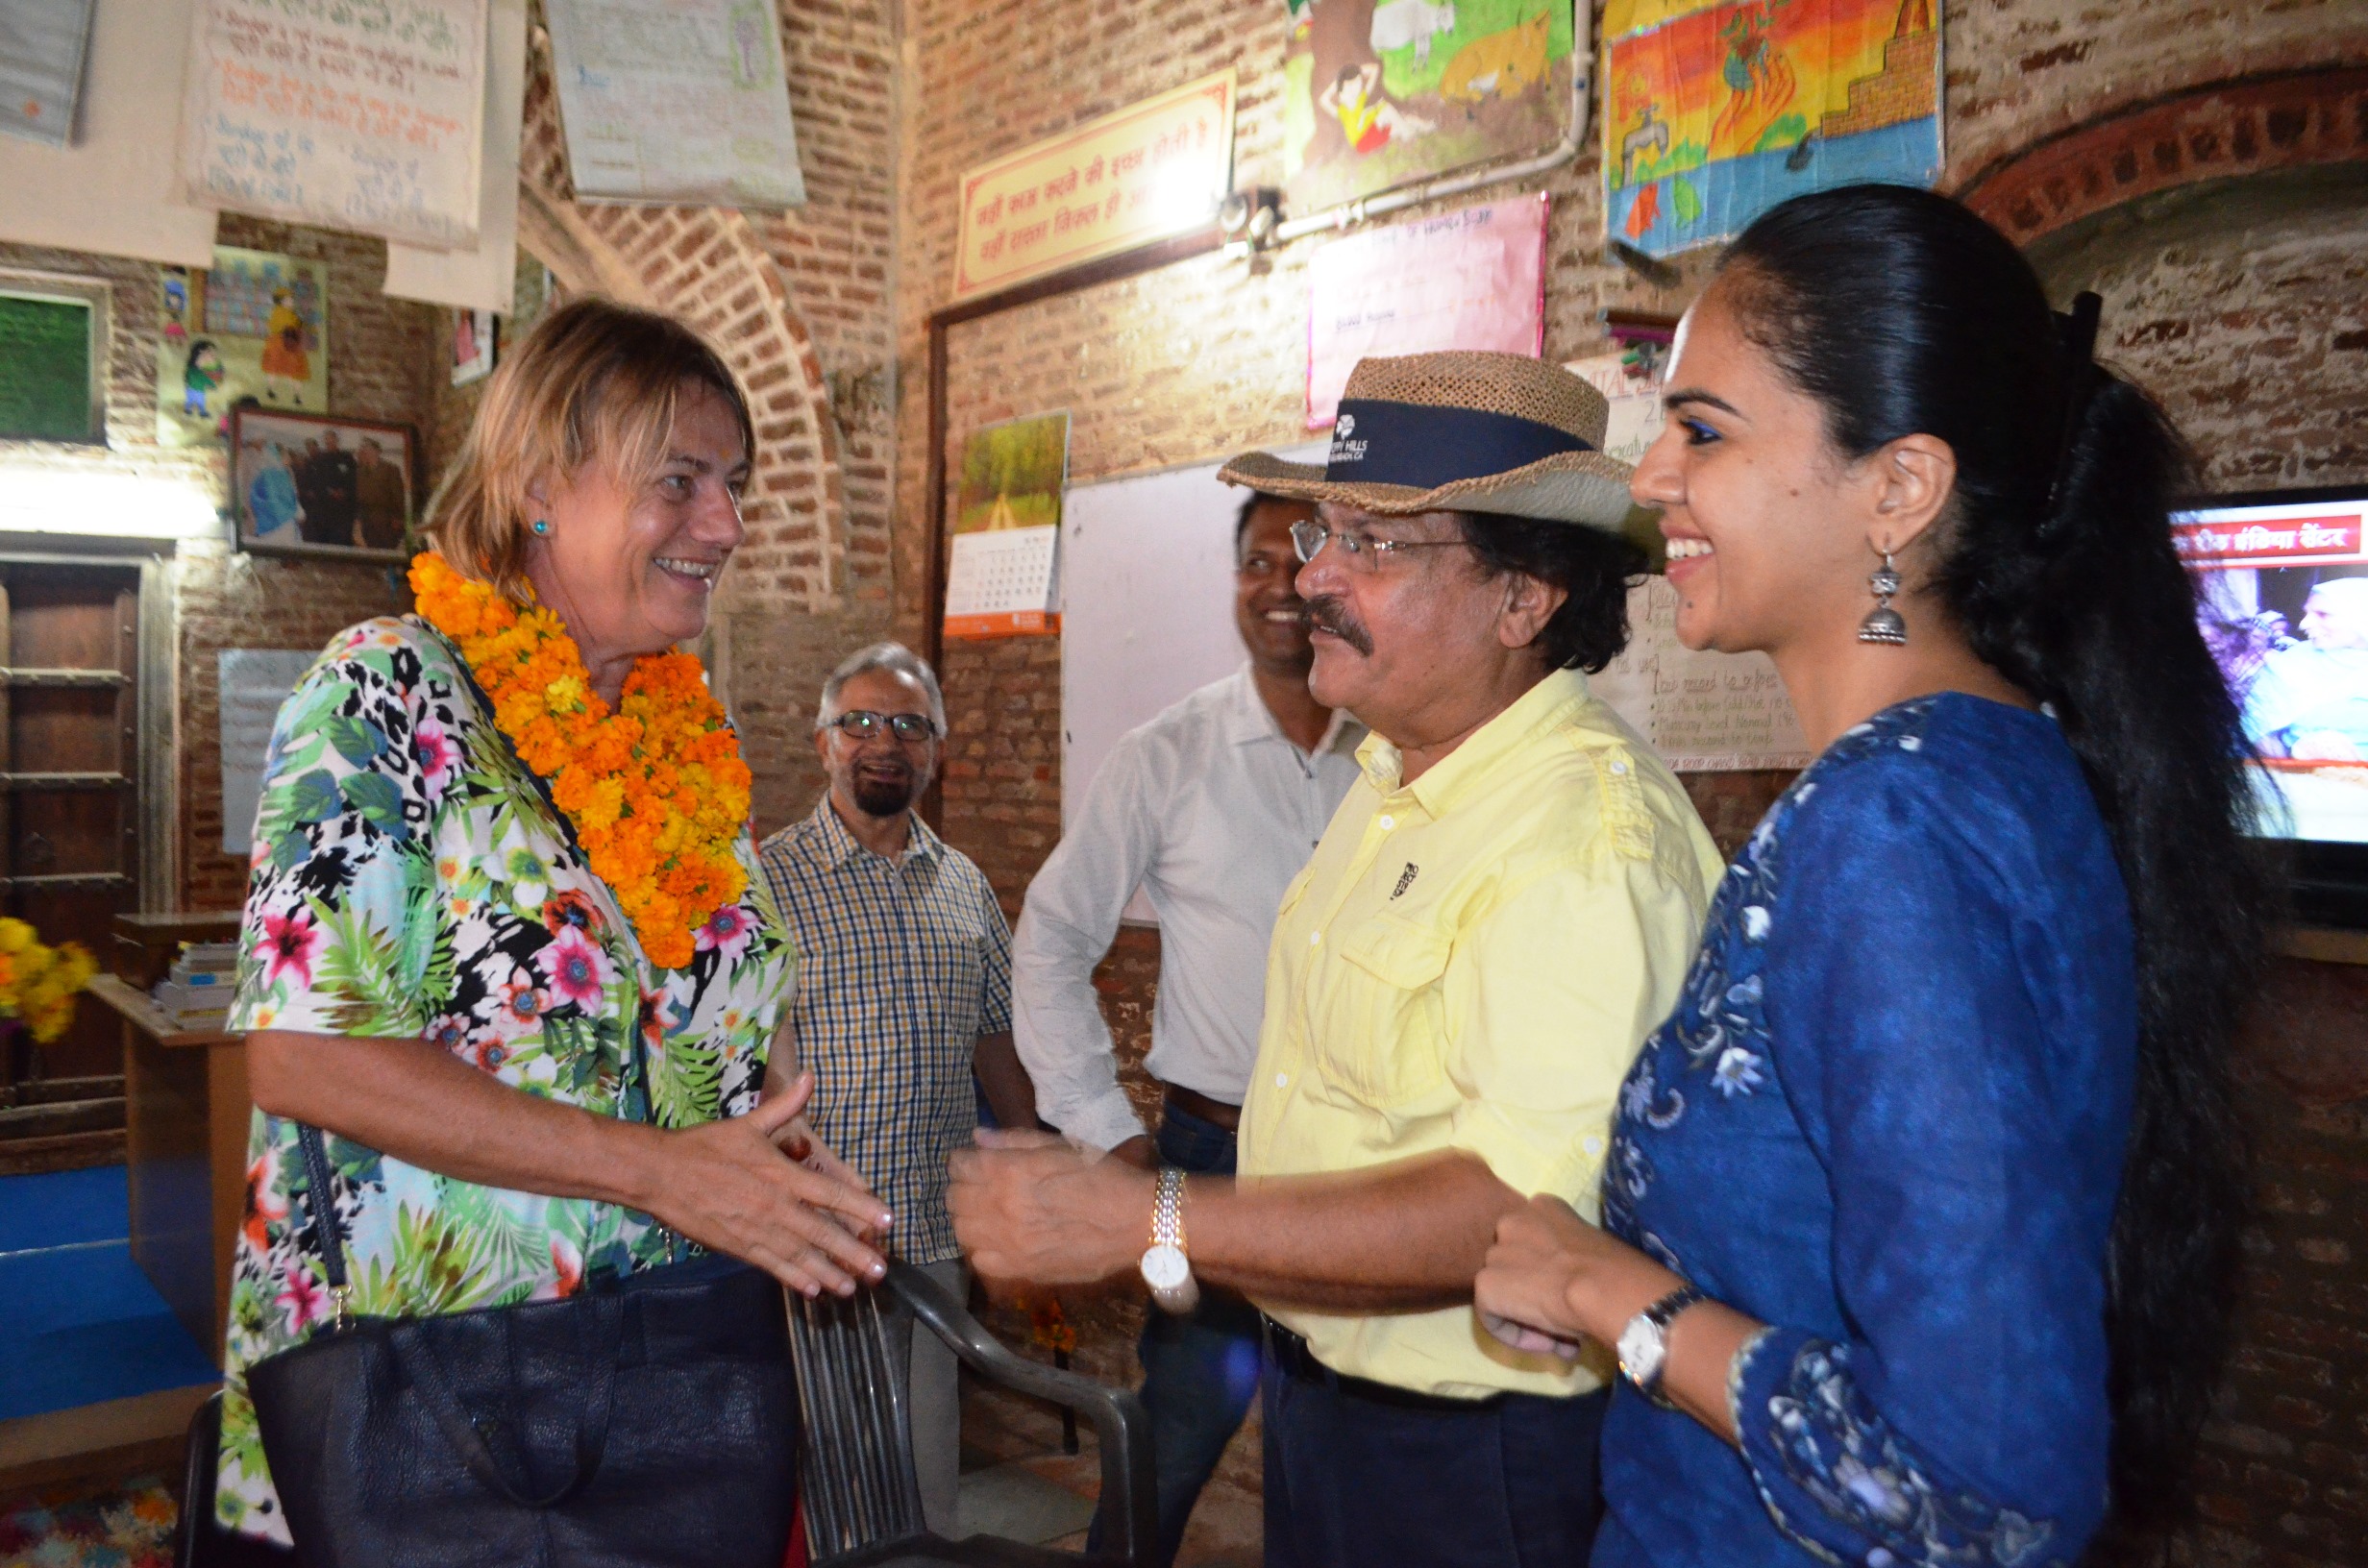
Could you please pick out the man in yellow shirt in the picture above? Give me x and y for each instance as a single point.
(1501, 910)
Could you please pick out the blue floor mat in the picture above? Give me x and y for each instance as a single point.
(63, 1208)
(79, 1322)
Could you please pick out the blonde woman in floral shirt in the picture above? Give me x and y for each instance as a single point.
(505, 940)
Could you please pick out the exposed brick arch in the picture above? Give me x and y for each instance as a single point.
(708, 266)
(2212, 131)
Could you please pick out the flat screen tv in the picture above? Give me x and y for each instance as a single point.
(2284, 598)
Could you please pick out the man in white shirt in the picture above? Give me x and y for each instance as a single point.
(1211, 809)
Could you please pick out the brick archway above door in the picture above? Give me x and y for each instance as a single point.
(2215, 131)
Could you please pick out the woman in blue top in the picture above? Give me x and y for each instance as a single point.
(1921, 1209)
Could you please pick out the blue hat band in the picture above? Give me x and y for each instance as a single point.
(1425, 446)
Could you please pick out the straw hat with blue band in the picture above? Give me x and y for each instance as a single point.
(1463, 432)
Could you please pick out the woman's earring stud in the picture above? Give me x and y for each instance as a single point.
(542, 524)
(1883, 624)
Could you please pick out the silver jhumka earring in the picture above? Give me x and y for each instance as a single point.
(1883, 624)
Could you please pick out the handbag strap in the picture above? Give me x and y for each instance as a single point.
(327, 1226)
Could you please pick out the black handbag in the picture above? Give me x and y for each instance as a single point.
(647, 1420)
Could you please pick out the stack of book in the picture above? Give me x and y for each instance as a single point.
(195, 993)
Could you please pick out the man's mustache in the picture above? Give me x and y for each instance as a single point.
(1329, 612)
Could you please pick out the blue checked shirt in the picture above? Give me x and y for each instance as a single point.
(902, 966)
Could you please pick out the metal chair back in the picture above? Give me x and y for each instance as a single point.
(856, 1466)
(862, 1498)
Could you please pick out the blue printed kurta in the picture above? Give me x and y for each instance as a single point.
(1888, 1119)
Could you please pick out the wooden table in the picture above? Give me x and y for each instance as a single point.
(186, 1110)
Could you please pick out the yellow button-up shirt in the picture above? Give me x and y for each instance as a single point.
(1471, 962)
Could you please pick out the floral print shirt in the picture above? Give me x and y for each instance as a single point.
(1887, 1119)
(411, 878)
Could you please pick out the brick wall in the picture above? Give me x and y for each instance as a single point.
(380, 358)
(2257, 344)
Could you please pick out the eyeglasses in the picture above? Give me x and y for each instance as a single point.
(861, 724)
(1364, 552)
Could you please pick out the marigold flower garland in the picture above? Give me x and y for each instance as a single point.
(656, 788)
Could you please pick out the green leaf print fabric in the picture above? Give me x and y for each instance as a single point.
(412, 879)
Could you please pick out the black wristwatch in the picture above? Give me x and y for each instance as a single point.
(1644, 1343)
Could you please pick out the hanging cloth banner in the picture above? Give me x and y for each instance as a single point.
(366, 118)
(1713, 112)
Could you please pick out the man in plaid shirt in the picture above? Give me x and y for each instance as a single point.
(904, 992)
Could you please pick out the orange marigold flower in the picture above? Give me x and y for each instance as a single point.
(655, 788)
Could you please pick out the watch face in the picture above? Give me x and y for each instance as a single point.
(1164, 1267)
(1641, 1347)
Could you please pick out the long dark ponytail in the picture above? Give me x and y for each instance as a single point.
(1900, 311)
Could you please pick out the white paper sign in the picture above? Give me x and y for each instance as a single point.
(1705, 713)
(254, 682)
(674, 101)
(363, 117)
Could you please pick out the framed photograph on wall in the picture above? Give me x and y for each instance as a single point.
(310, 485)
(476, 341)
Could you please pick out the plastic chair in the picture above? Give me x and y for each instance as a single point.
(862, 1501)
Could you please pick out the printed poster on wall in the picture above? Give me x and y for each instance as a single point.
(1468, 280)
(674, 101)
(1149, 171)
(1713, 112)
(254, 326)
(1380, 93)
(1003, 578)
(368, 118)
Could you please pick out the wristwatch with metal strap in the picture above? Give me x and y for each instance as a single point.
(1165, 1268)
(1644, 1343)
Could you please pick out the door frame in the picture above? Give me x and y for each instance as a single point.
(156, 781)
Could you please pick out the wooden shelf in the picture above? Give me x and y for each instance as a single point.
(2322, 943)
(139, 1010)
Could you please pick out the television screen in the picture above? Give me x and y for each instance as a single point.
(2284, 607)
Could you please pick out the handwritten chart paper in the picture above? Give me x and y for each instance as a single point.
(1151, 170)
(363, 118)
(1001, 582)
(1469, 279)
(1705, 713)
(254, 682)
(679, 101)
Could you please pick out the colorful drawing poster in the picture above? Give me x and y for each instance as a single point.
(1379, 93)
(674, 101)
(1716, 112)
(1003, 580)
(1468, 280)
(363, 117)
(254, 326)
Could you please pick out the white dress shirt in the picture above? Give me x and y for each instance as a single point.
(1210, 810)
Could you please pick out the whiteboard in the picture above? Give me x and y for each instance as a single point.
(1147, 608)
